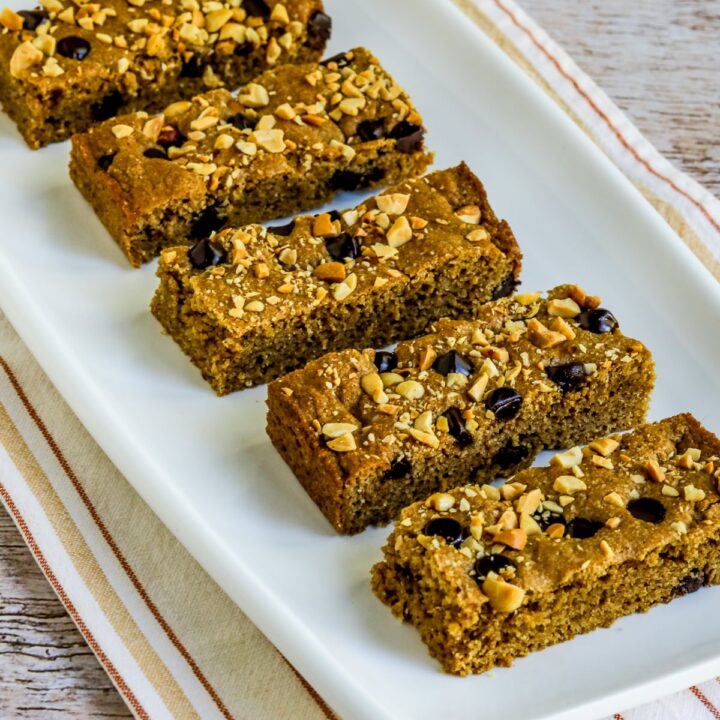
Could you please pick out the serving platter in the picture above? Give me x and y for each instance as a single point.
(206, 467)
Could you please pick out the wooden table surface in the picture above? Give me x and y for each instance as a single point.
(659, 61)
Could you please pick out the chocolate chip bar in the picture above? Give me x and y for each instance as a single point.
(68, 65)
(488, 575)
(367, 433)
(251, 304)
(286, 142)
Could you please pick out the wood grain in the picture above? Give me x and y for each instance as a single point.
(659, 61)
(46, 668)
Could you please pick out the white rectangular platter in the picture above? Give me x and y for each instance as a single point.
(207, 468)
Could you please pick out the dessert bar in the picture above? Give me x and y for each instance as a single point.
(67, 65)
(286, 142)
(251, 304)
(367, 433)
(488, 575)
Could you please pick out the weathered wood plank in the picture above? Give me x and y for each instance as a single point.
(658, 59)
(46, 668)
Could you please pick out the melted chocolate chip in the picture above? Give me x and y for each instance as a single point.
(342, 247)
(647, 509)
(369, 130)
(108, 107)
(243, 49)
(192, 68)
(256, 8)
(341, 60)
(319, 30)
(504, 402)
(409, 136)
(399, 467)
(32, 18)
(170, 136)
(105, 161)
(506, 287)
(567, 377)
(581, 528)
(283, 230)
(456, 427)
(690, 583)
(73, 47)
(347, 180)
(241, 122)
(452, 362)
(156, 152)
(447, 528)
(491, 563)
(207, 221)
(205, 253)
(598, 321)
(385, 361)
(511, 455)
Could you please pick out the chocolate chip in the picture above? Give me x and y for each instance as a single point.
(581, 528)
(409, 136)
(105, 161)
(569, 376)
(598, 321)
(385, 361)
(192, 68)
(504, 402)
(241, 122)
(452, 362)
(207, 221)
(156, 152)
(399, 467)
(507, 287)
(319, 30)
(511, 455)
(282, 230)
(341, 60)
(256, 8)
(243, 49)
(342, 247)
(170, 136)
(647, 509)
(491, 563)
(690, 583)
(447, 528)
(205, 253)
(108, 107)
(32, 18)
(73, 47)
(369, 130)
(347, 180)
(456, 427)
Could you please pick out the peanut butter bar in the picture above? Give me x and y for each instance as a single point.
(488, 575)
(251, 304)
(367, 433)
(69, 64)
(286, 142)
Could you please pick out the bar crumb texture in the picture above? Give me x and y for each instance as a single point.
(252, 304)
(489, 575)
(367, 433)
(67, 65)
(286, 142)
